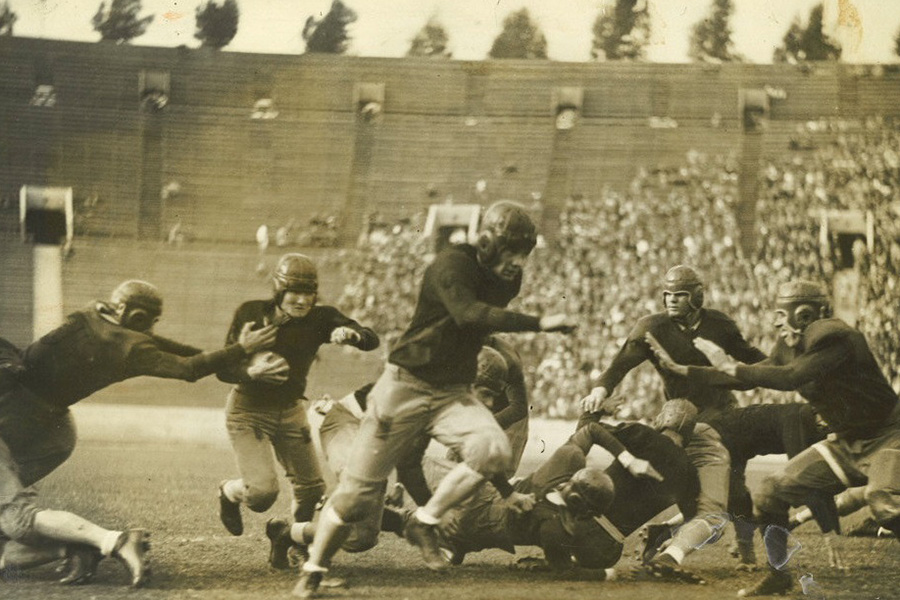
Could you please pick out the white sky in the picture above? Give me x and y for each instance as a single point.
(385, 27)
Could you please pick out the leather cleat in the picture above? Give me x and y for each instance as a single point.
(654, 536)
(131, 550)
(81, 564)
(775, 583)
(230, 513)
(425, 537)
(308, 584)
(279, 533)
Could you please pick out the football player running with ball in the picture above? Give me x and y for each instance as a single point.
(265, 409)
(425, 389)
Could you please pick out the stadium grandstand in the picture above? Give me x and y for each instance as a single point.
(753, 173)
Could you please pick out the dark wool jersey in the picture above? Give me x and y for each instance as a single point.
(636, 501)
(762, 429)
(89, 352)
(459, 303)
(836, 373)
(298, 341)
(678, 342)
(512, 405)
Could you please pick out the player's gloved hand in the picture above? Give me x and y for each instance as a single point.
(520, 503)
(259, 339)
(344, 335)
(268, 367)
(638, 467)
(562, 323)
(666, 362)
(717, 357)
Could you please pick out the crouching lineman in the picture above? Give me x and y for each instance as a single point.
(830, 364)
(583, 514)
(425, 388)
(103, 344)
(266, 410)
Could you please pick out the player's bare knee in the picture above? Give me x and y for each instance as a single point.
(487, 453)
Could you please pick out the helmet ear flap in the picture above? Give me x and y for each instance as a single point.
(137, 319)
(576, 503)
(697, 298)
(486, 244)
(804, 314)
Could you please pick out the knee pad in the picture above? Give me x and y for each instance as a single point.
(354, 501)
(487, 452)
(260, 499)
(362, 538)
(17, 518)
(765, 498)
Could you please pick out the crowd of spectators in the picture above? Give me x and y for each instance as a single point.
(606, 260)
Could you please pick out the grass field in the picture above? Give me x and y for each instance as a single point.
(170, 490)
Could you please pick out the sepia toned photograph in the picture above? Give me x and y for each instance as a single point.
(449, 299)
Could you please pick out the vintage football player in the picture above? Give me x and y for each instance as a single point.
(105, 343)
(266, 409)
(424, 388)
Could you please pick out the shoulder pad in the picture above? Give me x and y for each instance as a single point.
(826, 328)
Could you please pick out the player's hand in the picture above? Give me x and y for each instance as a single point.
(717, 357)
(345, 335)
(642, 469)
(268, 367)
(253, 340)
(520, 503)
(532, 564)
(666, 362)
(562, 323)
(449, 526)
(599, 401)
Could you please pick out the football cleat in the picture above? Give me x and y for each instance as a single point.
(131, 550)
(425, 537)
(81, 564)
(308, 584)
(279, 533)
(230, 513)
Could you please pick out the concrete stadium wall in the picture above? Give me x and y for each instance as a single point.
(445, 125)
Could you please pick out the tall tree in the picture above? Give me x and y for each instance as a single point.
(216, 24)
(897, 44)
(711, 38)
(120, 23)
(430, 41)
(329, 34)
(520, 38)
(7, 18)
(624, 34)
(801, 44)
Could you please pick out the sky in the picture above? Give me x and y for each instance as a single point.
(865, 28)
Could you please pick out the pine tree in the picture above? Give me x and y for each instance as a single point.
(624, 34)
(711, 38)
(7, 19)
(217, 24)
(430, 41)
(520, 38)
(801, 44)
(120, 23)
(329, 34)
